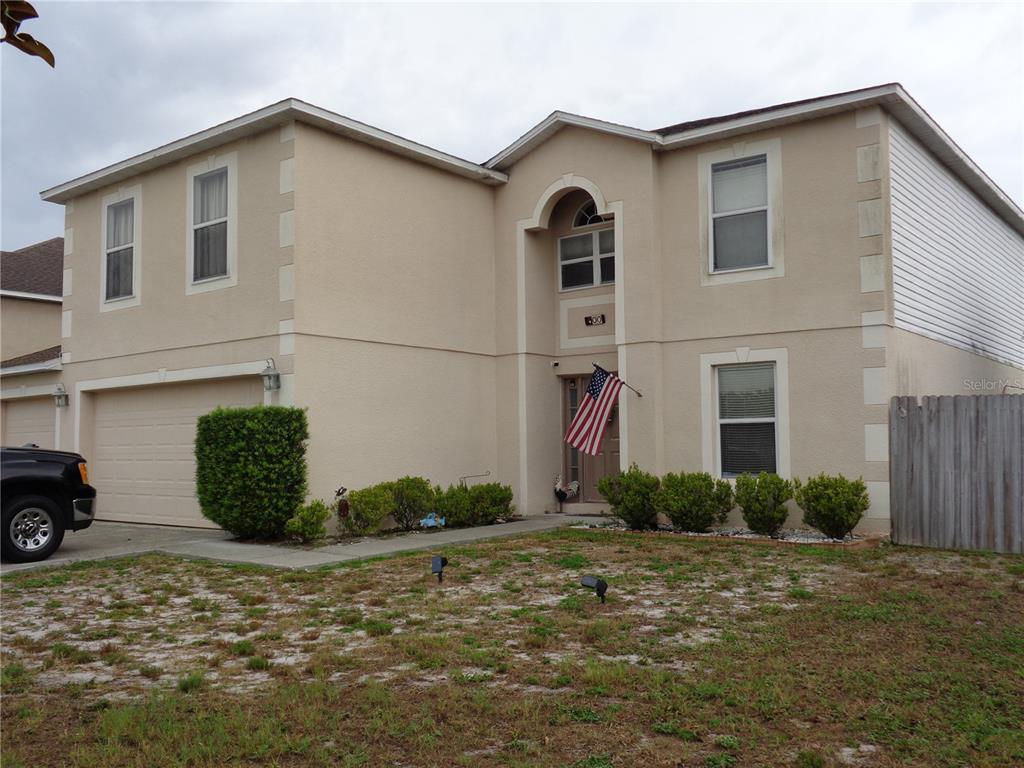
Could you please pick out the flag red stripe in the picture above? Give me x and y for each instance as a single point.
(608, 395)
(581, 416)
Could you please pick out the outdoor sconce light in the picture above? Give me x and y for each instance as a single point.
(60, 396)
(437, 564)
(598, 585)
(271, 378)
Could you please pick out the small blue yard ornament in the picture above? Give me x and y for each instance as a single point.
(432, 521)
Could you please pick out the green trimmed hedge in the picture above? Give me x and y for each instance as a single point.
(693, 501)
(631, 497)
(832, 503)
(251, 468)
(762, 500)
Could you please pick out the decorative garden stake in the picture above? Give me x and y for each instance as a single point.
(600, 586)
(437, 564)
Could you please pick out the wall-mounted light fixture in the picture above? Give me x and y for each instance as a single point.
(60, 397)
(271, 378)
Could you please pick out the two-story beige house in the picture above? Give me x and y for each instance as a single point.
(767, 279)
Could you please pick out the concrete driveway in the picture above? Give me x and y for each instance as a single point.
(103, 540)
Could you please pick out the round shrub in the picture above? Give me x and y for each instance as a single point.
(414, 499)
(454, 505)
(694, 501)
(832, 504)
(251, 468)
(631, 497)
(763, 501)
(489, 502)
(308, 522)
(368, 508)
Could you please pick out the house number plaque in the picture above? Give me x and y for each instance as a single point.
(593, 320)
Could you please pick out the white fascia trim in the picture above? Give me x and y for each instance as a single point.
(49, 365)
(554, 123)
(281, 113)
(161, 376)
(39, 390)
(31, 296)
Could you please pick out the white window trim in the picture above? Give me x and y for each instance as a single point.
(212, 163)
(712, 457)
(594, 257)
(771, 149)
(135, 299)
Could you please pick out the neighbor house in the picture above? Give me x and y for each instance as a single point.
(31, 290)
(766, 279)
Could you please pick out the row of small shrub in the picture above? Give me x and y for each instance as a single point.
(694, 501)
(409, 499)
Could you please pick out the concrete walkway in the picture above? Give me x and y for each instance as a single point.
(104, 540)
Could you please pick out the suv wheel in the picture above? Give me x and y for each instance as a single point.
(33, 528)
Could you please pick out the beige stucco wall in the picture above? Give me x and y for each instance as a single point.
(27, 326)
(922, 366)
(394, 323)
(167, 318)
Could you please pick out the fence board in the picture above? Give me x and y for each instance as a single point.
(956, 471)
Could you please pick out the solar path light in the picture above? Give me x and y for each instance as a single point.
(600, 586)
(437, 564)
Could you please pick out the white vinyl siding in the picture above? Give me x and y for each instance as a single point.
(958, 268)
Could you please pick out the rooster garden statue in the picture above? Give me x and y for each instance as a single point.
(565, 491)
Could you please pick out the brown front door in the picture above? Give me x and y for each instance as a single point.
(585, 469)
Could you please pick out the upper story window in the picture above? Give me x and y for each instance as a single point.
(212, 225)
(587, 259)
(120, 247)
(588, 215)
(739, 214)
(746, 418)
(120, 232)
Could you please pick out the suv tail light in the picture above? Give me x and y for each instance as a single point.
(83, 470)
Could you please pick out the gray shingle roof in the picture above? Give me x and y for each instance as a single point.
(35, 268)
(42, 356)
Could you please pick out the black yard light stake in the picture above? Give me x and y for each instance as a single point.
(600, 586)
(437, 564)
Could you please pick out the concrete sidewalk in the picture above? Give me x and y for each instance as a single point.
(104, 540)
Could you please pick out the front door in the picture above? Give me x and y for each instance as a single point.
(585, 469)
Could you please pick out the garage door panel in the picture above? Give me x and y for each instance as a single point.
(142, 463)
(29, 420)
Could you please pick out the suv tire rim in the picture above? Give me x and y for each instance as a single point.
(31, 529)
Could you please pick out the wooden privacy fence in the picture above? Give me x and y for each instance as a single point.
(956, 472)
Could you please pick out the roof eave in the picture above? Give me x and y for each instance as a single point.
(256, 122)
(32, 296)
(551, 125)
(18, 370)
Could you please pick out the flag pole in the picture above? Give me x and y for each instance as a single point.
(638, 392)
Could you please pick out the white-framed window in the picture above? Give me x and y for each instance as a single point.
(747, 437)
(586, 259)
(739, 214)
(212, 224)
(120, 252)
(745, 412)
(741, 224)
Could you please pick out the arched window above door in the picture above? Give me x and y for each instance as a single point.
(587, 215)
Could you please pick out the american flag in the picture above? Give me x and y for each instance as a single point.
(588, 427)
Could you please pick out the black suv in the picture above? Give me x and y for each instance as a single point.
(45, 493)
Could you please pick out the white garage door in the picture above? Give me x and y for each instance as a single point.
(29, 420)
(143, 464)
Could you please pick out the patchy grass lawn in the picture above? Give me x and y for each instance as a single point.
(707, 653)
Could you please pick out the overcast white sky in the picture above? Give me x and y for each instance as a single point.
(469, 79)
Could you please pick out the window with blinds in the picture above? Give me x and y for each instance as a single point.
(120, 250)
(739, 214)
(210, 225)
(746, 418)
